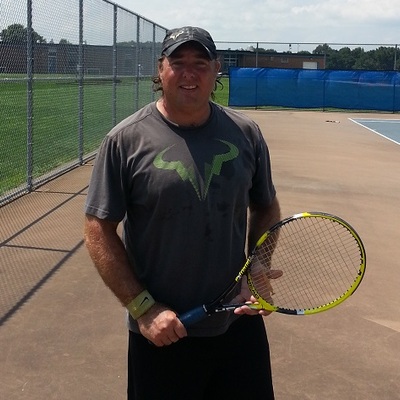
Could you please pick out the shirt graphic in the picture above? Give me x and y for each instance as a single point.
(187, 173)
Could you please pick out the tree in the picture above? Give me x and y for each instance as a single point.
(382, 58)
(345, 58)
(323, 49)
(17, 33)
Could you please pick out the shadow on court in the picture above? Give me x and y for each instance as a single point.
(63, 334)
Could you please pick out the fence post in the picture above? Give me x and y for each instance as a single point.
(394, 91)
(137, 62)
(80, 83)
(114, 100)
(153, 57)
(29, 100)
(395, 79)
(324, 82)
(257, 56)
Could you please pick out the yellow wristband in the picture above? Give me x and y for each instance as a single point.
(140, 304)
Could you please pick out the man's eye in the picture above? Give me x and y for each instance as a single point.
(200, 65)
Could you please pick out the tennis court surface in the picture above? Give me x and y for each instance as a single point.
(63, 334)
(387, 128)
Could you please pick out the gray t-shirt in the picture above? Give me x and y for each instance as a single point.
(183, 195)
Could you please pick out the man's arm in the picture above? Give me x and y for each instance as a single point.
(159, 324)
(261, 218)
(110, 258)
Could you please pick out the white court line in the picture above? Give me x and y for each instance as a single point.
(394, 121)
(373, 130)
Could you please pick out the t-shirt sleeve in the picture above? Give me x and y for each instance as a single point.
(106, 198)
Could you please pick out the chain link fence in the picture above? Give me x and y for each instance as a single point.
(69, 71)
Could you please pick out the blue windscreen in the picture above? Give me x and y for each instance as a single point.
(308, 88)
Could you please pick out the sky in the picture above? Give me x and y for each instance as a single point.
(315, 21)
(291, 22)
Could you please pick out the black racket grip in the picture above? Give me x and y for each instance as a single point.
(195, 315)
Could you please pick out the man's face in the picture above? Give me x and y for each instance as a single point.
(188, 77)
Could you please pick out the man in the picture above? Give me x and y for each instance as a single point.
(186, 176)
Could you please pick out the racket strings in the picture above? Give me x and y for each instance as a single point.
(319, 258)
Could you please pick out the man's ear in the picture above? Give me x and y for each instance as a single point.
(217, 66)
(160, 65)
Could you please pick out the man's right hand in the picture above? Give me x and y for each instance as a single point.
(161, 326)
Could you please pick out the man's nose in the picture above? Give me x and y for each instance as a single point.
(188, 72)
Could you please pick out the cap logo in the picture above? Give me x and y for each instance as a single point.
(174, 36)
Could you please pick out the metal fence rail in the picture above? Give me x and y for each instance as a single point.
(69, 71)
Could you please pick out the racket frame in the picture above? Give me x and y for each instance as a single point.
(199, 313)
(263, 304)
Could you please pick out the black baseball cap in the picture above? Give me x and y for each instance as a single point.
(178, 36)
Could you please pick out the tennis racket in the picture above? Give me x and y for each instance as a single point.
(304, 264)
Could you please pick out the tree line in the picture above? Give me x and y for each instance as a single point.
(382, 58)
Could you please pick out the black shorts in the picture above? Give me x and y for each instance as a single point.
(235, 365)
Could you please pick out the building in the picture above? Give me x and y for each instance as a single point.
(51, 58)
(253, 59)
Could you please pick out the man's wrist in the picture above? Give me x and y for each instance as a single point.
(140, 304)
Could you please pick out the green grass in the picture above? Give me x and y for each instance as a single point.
(55, 122)
(222, 92)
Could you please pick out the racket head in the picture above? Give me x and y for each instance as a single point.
(306, 264)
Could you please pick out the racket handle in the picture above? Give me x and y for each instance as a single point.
(191, 317)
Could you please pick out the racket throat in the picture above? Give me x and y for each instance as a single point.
(229, 307)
